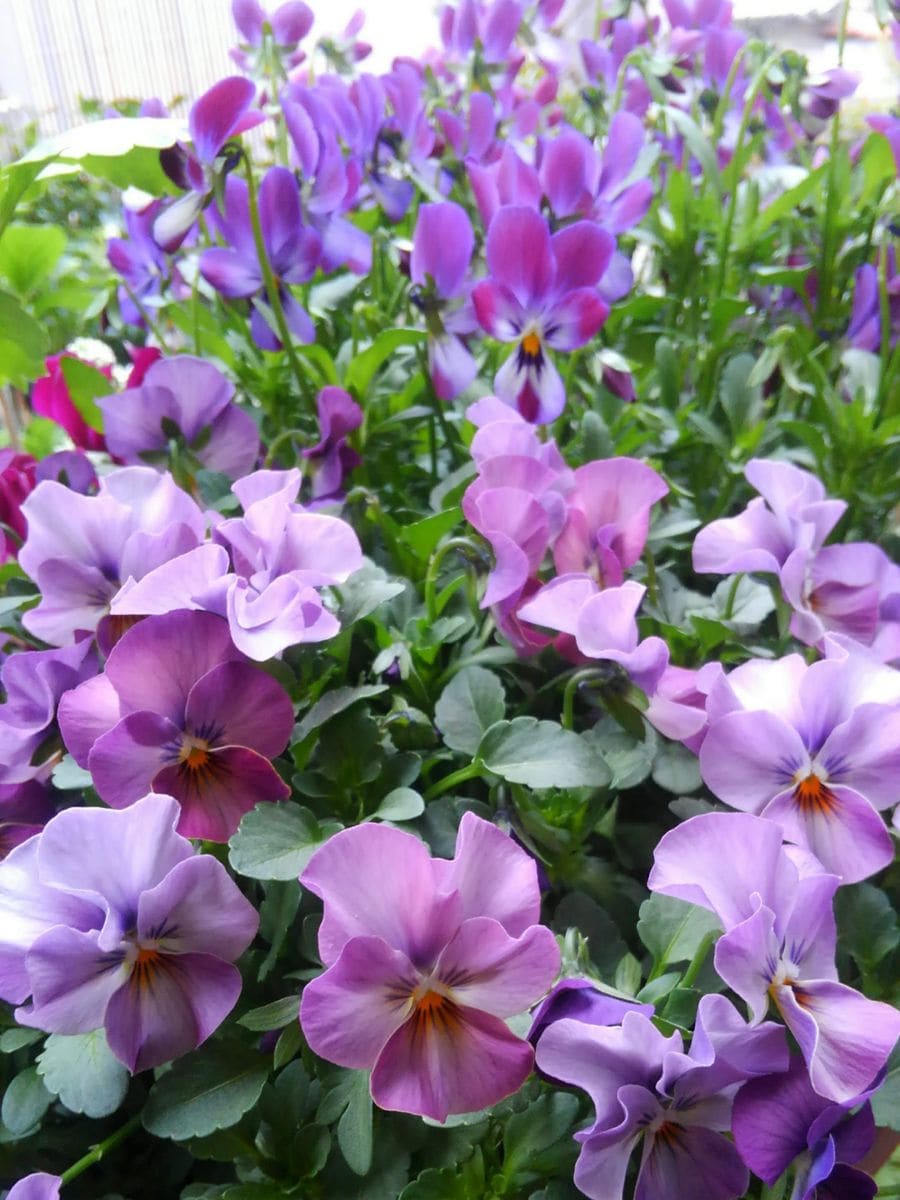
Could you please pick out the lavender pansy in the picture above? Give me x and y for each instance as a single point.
(112, 921)
(542, 292)
(39, 1186)
(179, 710)
(643, 1086)
(814, 748)
(425, 963)
(189, 398)
(779, 943)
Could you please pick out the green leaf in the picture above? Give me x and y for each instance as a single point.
(42, 436)
(867, 923)
(675, 769)
(354, 1129)
(275, 1015)
(741, 399)
(86, 384)
(28, 253)
(124, 150)
(68, 776)
(83, 1071)
(24, 1102)
(401, 804)
(423, 536)
(17, 1039)
(698, 144)
(362, 369)
(208, 1090)
(331, 704)
(540, 1126)
(541, 754)
(20, 330)
(365, 591)
(656, 989)
(671, 929)
(785, 205)
(276, 841)
(886, 1101)
(468, 706)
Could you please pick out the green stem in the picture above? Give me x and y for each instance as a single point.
(434, 566)
(829, 249)
(101, 1149)
(145, 315)
(568, 710)
(449, 782)
(285, 436)
(696, 963)
(274, 298)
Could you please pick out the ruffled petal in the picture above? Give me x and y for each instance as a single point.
(487, 969)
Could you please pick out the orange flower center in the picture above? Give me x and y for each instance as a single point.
(813, 795)
(194, 753)
(531, 345)
(433, 1012)
(144, 966)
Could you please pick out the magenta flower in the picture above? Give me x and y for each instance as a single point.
(425, 962)
(111, 920)
(293, 252)
(50, 398)
(779, 1119)
(188, 397)
(443, 242)
(542, 293)
(779, 942)
(815, 749)
(17, 480)
(645, 1088)
(179, 710)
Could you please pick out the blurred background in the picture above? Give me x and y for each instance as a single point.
(57, 54)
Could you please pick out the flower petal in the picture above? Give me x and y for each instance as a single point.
(443, 242)
(72, 981)
(518, 255)
(748, 758)
(487, 969)
(575, 319)
(230, 273)
(844, 831)
(236, 704)
(691, 1163)
(198, 908)
(214, 116)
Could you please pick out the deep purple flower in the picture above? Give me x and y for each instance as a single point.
(186, 396)
(443, 242)
(137, 522)
(143, 266)
(25, 808)
(779, 1119)
(111, 920)
(644, 1087)
(825, 92)
(425, 962)
(779, 942)
(71, 468)
(581, 1000)
(293, 252)
(17, 480)
(542, 293)
(33, 682)
(815, 749)
(331, 458)
(39, 1186)
(50, 398)
(179, 710)
(219, 114)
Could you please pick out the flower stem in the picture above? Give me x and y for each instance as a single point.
(102, 1148)
(449, 782)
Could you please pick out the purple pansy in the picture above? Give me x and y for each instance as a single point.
(815, 749)
(425, 962)
(144, 267)
(779, 1120)
(25, 808)
(17, 480)
(39, 1186)
(443, 242)
(289, 23)
(138, 521)
(542, 292)
(331, 457)
(188, 397)
(219, 114)
(779, 942)
(111, 920)
(179, 710)
(292, 249)
(644, 1087)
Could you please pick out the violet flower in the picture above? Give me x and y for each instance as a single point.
(425, 963)
(25, 808)
(779, 1120)
(443, 242)
(179, 710)
(779, 942)
(288, 24)
(542, 293)
(220, 113)
(34, 682)
(645, 1088)
(188, 398)
(39, 1186)
(580, 1000)
(815, 749)
(331, 458)
(293, 252)
(111, 920)
(17, 480)
(143, 266)
(138, 521)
